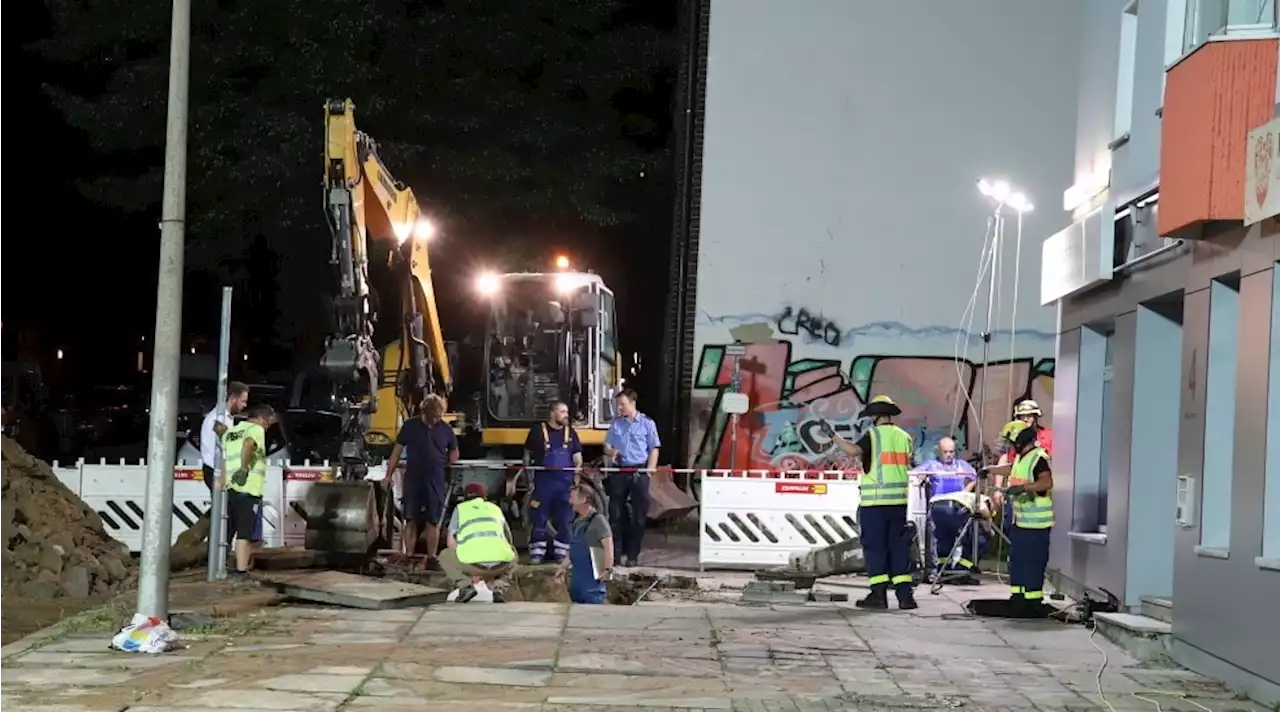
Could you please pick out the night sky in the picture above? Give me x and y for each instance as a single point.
(526, 129)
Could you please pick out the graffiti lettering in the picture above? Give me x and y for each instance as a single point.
(795, 322)
(791, 398)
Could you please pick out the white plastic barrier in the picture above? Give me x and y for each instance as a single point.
(117, 492)
(756, 518)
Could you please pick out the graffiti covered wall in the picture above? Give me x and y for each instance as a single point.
(840, 228)
(792, 391)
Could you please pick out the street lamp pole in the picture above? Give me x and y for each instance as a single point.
(153, 581)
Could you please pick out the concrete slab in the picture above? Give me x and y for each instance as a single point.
(493, 676)
(1141, 625)
(344, 684)
(256, 700)
(344, 589)
(101, 644)
(99, 660)
(62, 676)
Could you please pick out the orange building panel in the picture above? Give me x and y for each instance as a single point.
(1212, 99)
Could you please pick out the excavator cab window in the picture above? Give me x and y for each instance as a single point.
(523, 353)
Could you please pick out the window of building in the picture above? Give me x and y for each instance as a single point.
(1123, 248)
(1218, 18)
(1092, 396)
(1271, 491)
(1125, 71)
(1220, 413)
(1104, 426)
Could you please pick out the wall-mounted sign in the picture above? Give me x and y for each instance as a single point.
(1262, 173)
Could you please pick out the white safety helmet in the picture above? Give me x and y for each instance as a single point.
(1027, 407)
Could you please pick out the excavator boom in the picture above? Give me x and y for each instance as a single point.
(365, 202)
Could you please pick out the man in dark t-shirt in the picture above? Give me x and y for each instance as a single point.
(424, 490)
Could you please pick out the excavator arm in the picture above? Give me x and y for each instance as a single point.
(363, 201)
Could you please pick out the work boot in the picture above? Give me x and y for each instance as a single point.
(906, 598)
(877, 600)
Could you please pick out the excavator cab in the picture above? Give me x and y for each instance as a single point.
(549, 337)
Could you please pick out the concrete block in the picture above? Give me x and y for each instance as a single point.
(1146, 639)
(1158, 608)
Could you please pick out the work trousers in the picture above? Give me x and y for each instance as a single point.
(628, 511)
(1028, 558)
(886, 545)
(549, 503)
(948, 520)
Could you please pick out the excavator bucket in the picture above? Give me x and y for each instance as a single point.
(666, 500)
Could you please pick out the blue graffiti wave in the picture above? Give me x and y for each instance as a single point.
(881, 329)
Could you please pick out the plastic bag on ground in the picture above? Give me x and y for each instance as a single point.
(145, 634)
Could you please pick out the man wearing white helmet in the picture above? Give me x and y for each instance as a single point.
(1028, 411)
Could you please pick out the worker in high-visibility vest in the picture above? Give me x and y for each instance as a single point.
(1031, 493)
(885, 453)
(480, 554)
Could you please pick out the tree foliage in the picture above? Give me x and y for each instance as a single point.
(498, 113)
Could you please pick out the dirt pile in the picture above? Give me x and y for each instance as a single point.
(55, 545)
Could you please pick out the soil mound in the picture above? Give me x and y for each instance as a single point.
(55, 545)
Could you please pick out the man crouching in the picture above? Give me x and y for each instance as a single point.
(480, 553)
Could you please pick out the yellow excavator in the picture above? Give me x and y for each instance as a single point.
(548, 337)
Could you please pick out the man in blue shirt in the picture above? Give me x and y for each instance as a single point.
(949, 475)
(424, 491)
(632, 442)
(555, 452)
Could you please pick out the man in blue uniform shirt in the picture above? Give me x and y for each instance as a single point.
(555, 452)
(632, 443)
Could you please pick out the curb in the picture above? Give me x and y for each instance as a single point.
(239, 605)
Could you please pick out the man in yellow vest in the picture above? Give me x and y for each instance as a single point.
(244, 474)
(885, 452)
(480, 553)
(1031, 493)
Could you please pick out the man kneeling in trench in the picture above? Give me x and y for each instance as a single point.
(590, 560)
(480, 553)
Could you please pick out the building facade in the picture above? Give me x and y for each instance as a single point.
(1167, 381)
(834, 229)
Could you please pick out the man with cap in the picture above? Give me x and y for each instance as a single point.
(885, 453)
(1029, 412)
(1031, 492)
(480, 551)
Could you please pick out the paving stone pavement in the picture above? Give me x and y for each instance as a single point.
(669, 655)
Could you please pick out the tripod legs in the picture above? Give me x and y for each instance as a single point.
(942, 574)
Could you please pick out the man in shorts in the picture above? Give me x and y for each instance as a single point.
(244, 449)
(424, 490)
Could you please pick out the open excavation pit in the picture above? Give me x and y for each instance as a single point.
(538, 584)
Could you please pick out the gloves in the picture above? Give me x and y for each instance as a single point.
(1015, 490)
(825, 428)
(240, 477)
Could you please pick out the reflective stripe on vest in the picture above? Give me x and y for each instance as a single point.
(887, 483)
(1030, 511)
(481, 535)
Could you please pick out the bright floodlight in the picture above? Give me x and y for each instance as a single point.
(566, 283)
(562, 262)
(1019, 202)
(1004, 194)
(424, 229)
(487, 284)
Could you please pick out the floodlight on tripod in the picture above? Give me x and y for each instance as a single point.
(1004, 198)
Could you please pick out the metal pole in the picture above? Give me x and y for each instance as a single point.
(736, 387)
(218, 513)
(157, 526)
(994, 278)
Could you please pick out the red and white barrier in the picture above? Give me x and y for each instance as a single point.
(749, 518)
